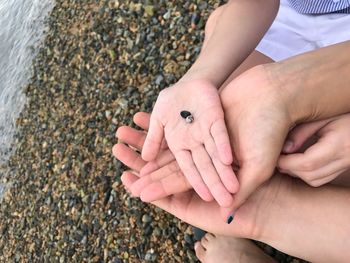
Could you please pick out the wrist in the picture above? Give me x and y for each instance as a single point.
(315, 83)
(200, 75)
(288, 81)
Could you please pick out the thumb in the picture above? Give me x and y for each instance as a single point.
(250, 177)
(227, 213)
(153, 139)
(300, 134)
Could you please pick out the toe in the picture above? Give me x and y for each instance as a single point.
(200, 251)
(205, 242)
(209, 236)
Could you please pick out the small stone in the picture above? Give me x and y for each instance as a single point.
(125, 255)
(191, 255)
(157, 231)
(84, 240)
(149, 10)
(115, 121)
(167, 15)
(203, 5)
(188, 239)
(148, 257)
(159, 79)
(108, 115)
(115, 186)
(146, 218)
(195, 18)
(112, 54)
(44, 145)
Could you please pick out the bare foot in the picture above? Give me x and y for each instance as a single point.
(213, 249)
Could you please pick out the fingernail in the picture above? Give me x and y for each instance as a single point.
(288, 146)
(230, 219)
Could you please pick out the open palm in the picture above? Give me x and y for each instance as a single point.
(201, 148)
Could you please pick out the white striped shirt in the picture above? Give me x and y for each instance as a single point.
(321, 6)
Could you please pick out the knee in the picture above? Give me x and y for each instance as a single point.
(211, 22)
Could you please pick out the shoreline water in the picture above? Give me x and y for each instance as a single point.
(21, 32)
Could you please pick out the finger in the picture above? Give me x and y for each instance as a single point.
(140, 184)
(165, 158)
(227, 176)
(300, 134)
(164, 145)
(128, 157)
(227, 213)
(318, 155)
(153, 140)
(173, 184)
(210, 176)
(189, 208)
(142, 120)
(222, 141)
(177, 205)
(157, 175)
(321, 173)
(250, 178)
(131, 136)
(184, 160)
(225, 172)
(128, 179)
(326, 179)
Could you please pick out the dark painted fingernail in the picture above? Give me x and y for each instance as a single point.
(230, 219)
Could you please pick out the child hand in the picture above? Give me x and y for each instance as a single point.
(165, 180)
(201, 148)
(323, 161)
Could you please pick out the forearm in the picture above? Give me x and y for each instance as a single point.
(311, 223)
(316, 84)
(238, 30)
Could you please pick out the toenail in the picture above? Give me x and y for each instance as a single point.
(196, 245)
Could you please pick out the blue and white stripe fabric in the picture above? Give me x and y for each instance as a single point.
(293, 33)
(321, 6)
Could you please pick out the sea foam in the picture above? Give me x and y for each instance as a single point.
(22, 29)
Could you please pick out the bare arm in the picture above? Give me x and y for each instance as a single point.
(310, 223)
(206, 155)
(238, 30)
(271, 98)
(316, 84)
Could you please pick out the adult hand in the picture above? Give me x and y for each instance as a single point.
(258, 120)
(167, 179)
(184, 203)
(323, 161)
(202, 148)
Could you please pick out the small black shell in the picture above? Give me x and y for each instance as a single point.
(184, 114)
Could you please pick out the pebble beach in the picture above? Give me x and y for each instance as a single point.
(100, 63)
